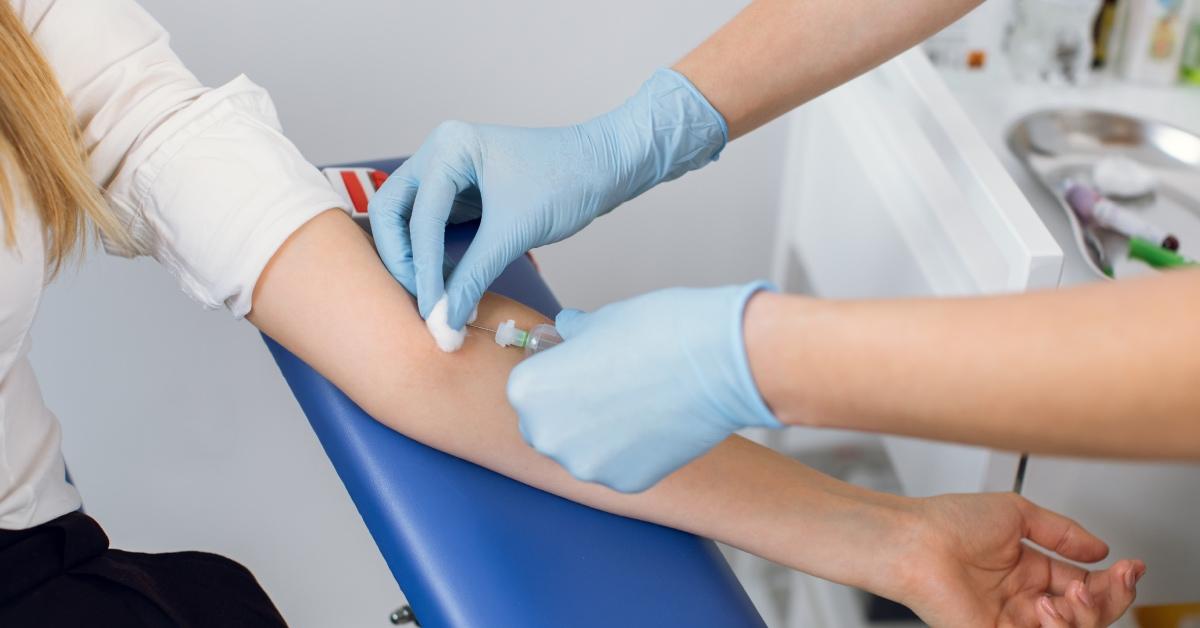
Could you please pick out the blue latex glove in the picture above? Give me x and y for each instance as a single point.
(641, 387)
(535, 186)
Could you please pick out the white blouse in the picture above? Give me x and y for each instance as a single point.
(202, 179)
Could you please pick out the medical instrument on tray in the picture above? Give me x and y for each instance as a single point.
(536, 340)
(1092, 207)
(1156, 256)
(1096, 246)
(1121, 177)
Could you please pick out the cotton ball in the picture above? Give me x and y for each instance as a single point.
(1122, 177)
(448, 340)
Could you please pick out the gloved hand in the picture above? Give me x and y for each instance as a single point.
(641, 387)
(535, 186)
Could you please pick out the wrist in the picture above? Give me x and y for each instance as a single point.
(926, 551)
(666, 129)
(883, 537)
(765, 335)
(789, 342)
(909, 544)
(750, 409)
(899, 561)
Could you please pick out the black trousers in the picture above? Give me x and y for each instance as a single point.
(62, 573)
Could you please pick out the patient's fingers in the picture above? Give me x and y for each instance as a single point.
(388, 211)
(1083, 607)
(1115, 588)
(1069, 611)
(1062, 574)
(1101, 598)
(1062, 535)
(1049, 615)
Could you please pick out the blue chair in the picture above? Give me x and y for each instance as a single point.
(473, 549)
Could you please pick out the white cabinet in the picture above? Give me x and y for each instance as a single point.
(891, 191)
(900, 184)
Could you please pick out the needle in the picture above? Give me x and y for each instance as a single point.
(481, 327)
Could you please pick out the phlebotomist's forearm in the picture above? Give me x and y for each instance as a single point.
(777, 54)
(1108, 369)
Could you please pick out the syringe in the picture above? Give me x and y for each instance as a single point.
(536, 340)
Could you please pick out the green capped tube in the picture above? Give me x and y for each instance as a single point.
(1155, 255)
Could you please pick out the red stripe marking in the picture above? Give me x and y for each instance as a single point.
(378, 177)
(358, 196)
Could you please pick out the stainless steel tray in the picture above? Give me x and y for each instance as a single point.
(1059, 144)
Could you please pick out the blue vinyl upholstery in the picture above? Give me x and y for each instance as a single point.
(473, 549)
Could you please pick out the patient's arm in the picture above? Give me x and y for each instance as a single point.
(327, 298)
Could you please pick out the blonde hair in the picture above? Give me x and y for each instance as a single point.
(38, 135)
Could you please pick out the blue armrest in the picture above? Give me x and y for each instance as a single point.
(473, 549)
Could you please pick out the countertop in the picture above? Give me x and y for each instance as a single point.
(994, 102)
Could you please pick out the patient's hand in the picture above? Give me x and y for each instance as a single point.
(970, 567)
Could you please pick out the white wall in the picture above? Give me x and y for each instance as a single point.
(178, 427)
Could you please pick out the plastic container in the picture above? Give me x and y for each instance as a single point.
(973, 42)
(1051, 40)
(1189, 63)
(1152, 40)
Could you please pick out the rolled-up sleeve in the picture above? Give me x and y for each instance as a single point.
(203, 179)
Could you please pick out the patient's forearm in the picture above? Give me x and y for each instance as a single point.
(327, 298)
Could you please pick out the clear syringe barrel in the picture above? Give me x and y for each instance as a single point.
(536, 340)
(540, 338)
